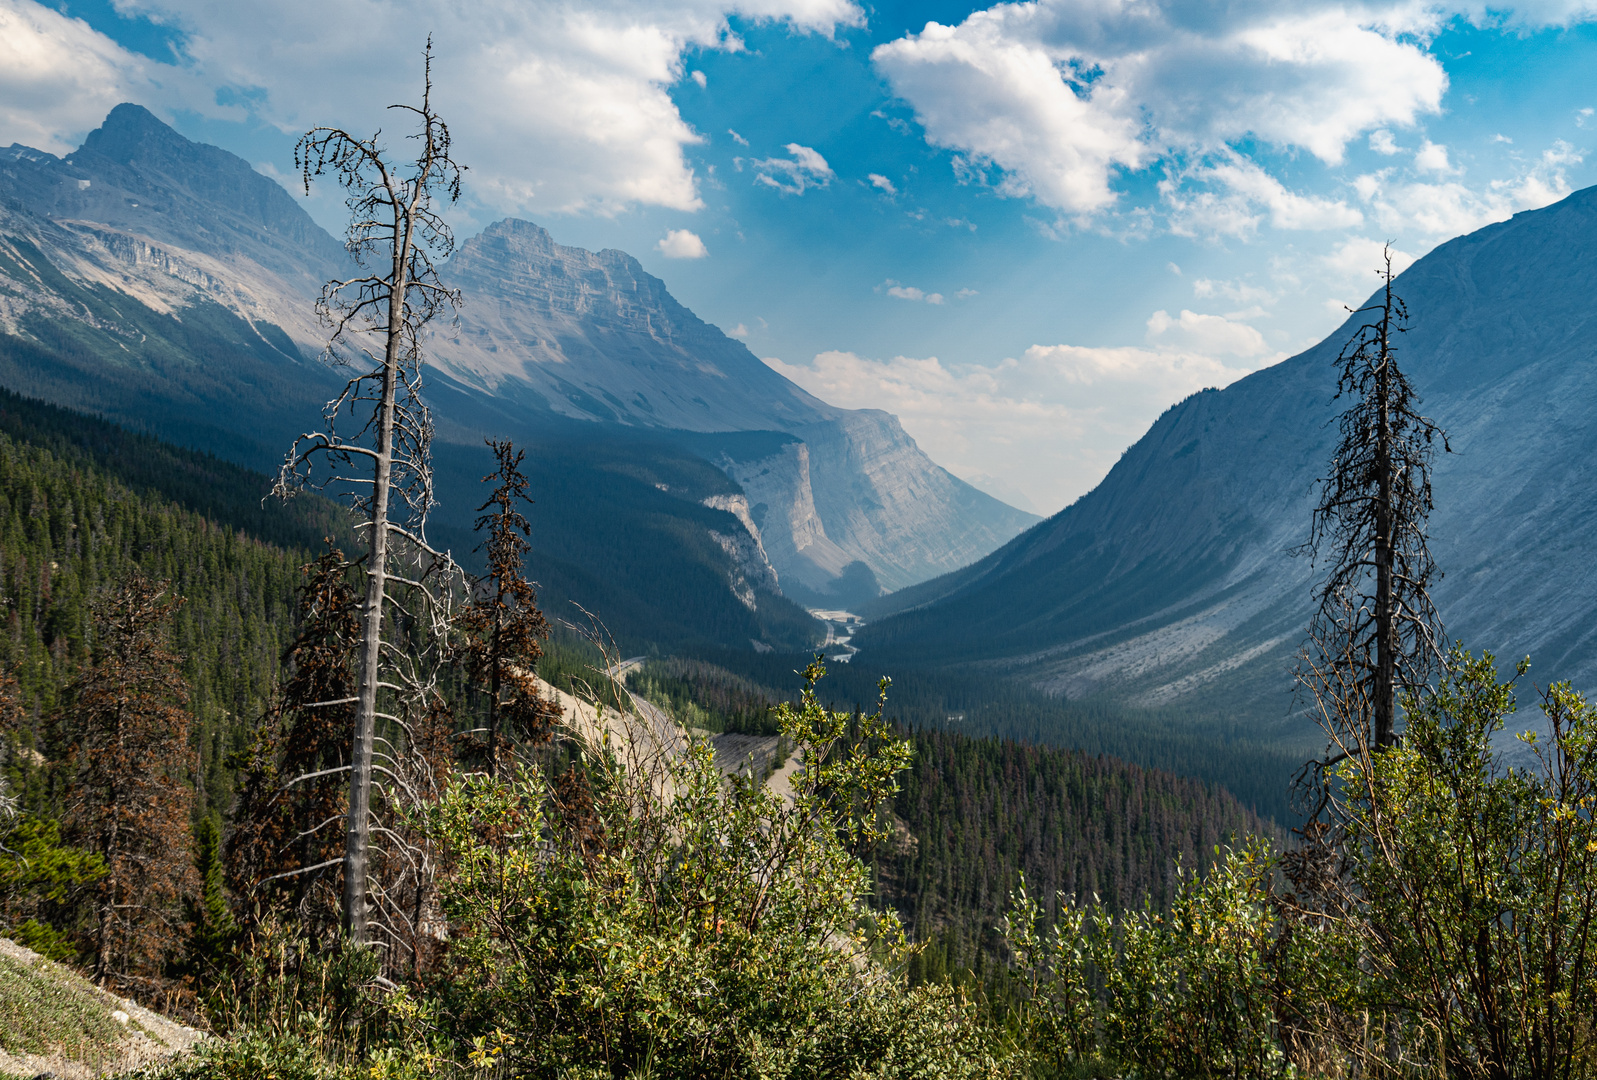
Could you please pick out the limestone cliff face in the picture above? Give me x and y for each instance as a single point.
(751, 569)
(591, 336)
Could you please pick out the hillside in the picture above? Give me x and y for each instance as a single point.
(55, 1023)
(1172, 582)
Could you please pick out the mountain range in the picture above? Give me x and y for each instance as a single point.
(166, 285)
(1173, 582)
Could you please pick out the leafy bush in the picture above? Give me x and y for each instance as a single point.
(643, 915)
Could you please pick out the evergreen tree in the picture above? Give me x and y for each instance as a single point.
(503, 629)
(285, 849)
(130, 765)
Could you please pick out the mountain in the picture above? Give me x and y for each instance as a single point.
(591, 336)
(166, 285)
(1172, 583)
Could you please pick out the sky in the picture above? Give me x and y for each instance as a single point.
(1024, 229)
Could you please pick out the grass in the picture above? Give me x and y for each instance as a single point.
(48, 1010)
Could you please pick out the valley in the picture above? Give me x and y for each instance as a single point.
(686, 694)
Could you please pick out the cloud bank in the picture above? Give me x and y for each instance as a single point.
(559, 107)
(1054, 100)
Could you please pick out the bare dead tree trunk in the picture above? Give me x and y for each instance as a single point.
(1385, 628)
(392, 215)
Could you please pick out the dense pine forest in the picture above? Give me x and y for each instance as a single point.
(83, 505)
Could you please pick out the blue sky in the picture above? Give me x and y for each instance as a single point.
(1024, 229)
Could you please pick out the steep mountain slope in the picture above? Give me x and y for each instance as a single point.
(591, 336)
(167, 285)
(1172, 582)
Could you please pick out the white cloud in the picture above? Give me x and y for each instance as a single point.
(879, 181)
(1051, 421)
(59, 77)
(1441, 209)
(802, 169)
(701, 78)
(910, 292)
(1060, 94)
(1381, 142)
(1239, 196)
(1432, 158)
(966, 294)
(1210, 335)
(740, 140)
(1239, 292)
(739, 331)
(682, 244)
(557, 107)
(1583, 117)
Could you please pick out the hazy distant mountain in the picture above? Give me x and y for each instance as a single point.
(591, 336)
(1171, 582)
(168, 285)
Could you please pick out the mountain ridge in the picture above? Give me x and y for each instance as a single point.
(1172, 582)
(216, 352)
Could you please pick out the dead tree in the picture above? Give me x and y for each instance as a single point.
(374, 446)
(131, 767)
(284, 848)
(502, 630)
(1375, 632)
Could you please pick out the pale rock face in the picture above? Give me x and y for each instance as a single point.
(779, 487)
(753, 572)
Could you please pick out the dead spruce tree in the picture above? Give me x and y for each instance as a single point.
(1375, 632)
(373, 449)
(131, 770)
(501, 627)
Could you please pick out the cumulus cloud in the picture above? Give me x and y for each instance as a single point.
(910, 292)
(701, 78)
(1238, 196)
(802, 169)
(879, 181)
(1208, 335)
(558, 107)
(59, 77)
(1056, 96)
(682, 244)
(1051, 421)
(1432, 158)
(1439, 209)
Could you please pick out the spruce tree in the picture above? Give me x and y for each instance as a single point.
(131, 766)
(1375, 632)
(502, 629)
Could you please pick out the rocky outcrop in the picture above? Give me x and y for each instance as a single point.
(752, 572)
